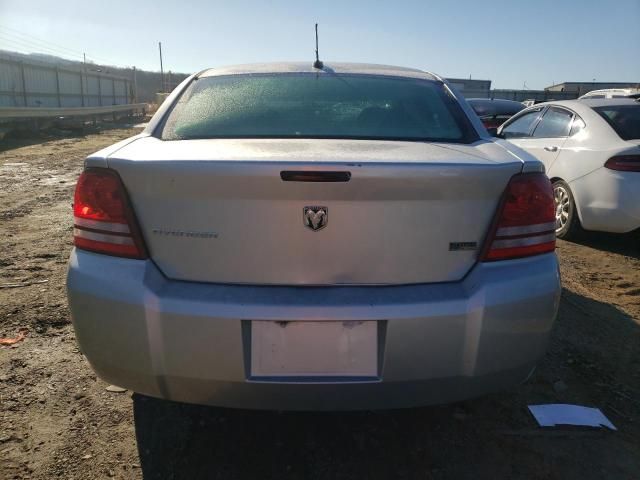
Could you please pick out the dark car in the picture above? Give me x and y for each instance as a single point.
(493, 112)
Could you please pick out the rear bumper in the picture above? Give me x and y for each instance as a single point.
(608, 200)
(184, 341)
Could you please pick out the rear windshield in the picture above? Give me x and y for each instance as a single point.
(624, 119)
(318, 106)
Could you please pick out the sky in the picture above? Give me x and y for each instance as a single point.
(516, 44)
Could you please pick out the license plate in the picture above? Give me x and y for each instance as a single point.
(314, 349)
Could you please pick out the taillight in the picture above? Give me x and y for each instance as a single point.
(624, 163)
(103, 219)
(525, 222)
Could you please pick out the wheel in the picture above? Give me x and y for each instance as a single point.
(567, 221)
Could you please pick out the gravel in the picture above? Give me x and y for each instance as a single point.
(60, 421)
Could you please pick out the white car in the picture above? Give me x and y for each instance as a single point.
(591, 150)
(612, 93)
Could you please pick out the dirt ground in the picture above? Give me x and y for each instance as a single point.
(58, 421)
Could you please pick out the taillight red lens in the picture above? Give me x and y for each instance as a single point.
(525, 223)
(624, 163)
(103, 219)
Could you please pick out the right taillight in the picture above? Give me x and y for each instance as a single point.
(103, 219)
(624, 163)
(525, 222)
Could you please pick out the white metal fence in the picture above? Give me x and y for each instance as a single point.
(35, 84)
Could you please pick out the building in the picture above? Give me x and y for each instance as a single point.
(580, 88)
(471, 88)
(562, 91)
(537, 95)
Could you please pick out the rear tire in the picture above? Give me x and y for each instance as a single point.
(567, 222)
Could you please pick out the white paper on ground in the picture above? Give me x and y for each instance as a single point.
(562, 414)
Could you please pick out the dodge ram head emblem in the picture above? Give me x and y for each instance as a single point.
(315, 218)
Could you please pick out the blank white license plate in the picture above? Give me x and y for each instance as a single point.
(314, 349)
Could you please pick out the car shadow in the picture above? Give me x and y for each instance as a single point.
(627, 244)
(595, 350)
(24, 137)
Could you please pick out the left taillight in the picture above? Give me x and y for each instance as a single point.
(103, 219)
(624, 163)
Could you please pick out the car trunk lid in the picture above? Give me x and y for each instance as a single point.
(230, 211)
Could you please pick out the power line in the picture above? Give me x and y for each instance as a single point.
(33, 39)
(38, 44)
(26, 43)
(32, 48)
(29, 46)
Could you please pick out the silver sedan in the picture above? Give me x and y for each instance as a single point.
(289, 237)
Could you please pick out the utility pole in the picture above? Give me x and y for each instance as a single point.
(161, 69)
(135, 86)
(82, 77)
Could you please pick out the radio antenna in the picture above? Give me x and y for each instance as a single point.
(317, 64)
